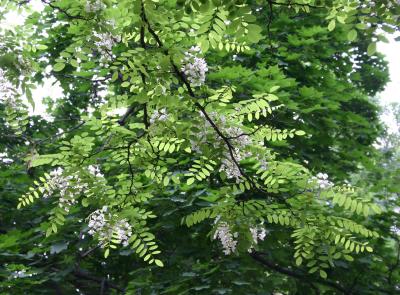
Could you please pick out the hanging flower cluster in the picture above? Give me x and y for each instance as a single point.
(124, 231)
(105, 43)
(230, 168)
(240, 142)
(6, 89)
(321, 179)
(94, 6)
(194, 67)
(257, 233)
(68, 188)
(238, 139)
(101, 224)
(224, 235)
(97, 221)
(159, 115)
(95, 171)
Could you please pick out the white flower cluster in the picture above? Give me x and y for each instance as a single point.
(227, 239)
(95, 171)
(19, 274)
(22, 274)
(159, 115)
(105, 43)
(94, 6)
(322, 180)
(257, 233)
(194, 67)
(67, 186)
(124, 231)
(100, 224)
(395, 230)
(97, 221)
(239, 141)
(230, 168)
(6, 87)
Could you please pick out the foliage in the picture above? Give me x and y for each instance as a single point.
(233, 111)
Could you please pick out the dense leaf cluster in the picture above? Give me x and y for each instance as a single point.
(214, 178)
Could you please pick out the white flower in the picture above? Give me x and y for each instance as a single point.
(105, 44)
(19, 274)
(68, 186)
(100, 223)
(194, 67)
(230, 168)
(124, 231)
(6, 89)
(97, 221)
(322, 181)
(159, 115)
(257, 233)
(239, 141)
(94, 6)
(262, 234)
(95, 171)
(223, 233)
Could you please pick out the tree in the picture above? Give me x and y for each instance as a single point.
(206, 148)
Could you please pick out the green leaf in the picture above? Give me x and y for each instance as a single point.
(299, 260)
(49, 231)
(348, 258)
(331, 25)
(74, 63)
(106, 253)
(114, 76)
(190, 180)
(299, 132)
(371, 48)
(376, 208)
(41, 47)
(58, 67)
(352, 35)
(323, 274)
(159, 263)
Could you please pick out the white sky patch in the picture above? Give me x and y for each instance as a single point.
(392, 90)
(50, 88)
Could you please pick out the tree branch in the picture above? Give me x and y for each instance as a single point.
(61, 133)
(79, 273)
(297, 275)
(183, 79)
(132, 109)
(290, 3)
(65, 12)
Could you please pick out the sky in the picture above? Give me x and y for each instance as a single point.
(392, 89)
(391, 50)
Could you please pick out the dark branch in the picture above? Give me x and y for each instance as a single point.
(131, 110)
(79, 273)
(130, 166)
(295, 274)
(61, 133)
(63, 11)
(290, 3)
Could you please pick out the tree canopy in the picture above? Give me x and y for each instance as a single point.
(198, 147)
